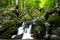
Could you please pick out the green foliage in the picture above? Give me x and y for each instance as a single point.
(30, 7)
(42, 3)
(55, 19)
(50, 4)
(32, 3)
(47, 3)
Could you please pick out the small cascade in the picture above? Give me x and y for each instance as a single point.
(20, 30)
(27, 34)
(25, 29)
(29, 29)
(47, 25)
(46, 32)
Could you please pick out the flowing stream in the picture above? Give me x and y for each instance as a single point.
(27, 34)
(25, 29)
(20, 30)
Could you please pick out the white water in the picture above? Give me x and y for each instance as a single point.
(27, 34)
(29, 29)
(20, 29)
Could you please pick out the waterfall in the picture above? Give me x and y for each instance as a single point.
(20, 29)
(29, 29)
(27, 35)
(25, 29)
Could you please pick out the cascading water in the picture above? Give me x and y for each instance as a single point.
(25, 29)
(20, 30)
(47, 25)
(29, 29)
(27, 35)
